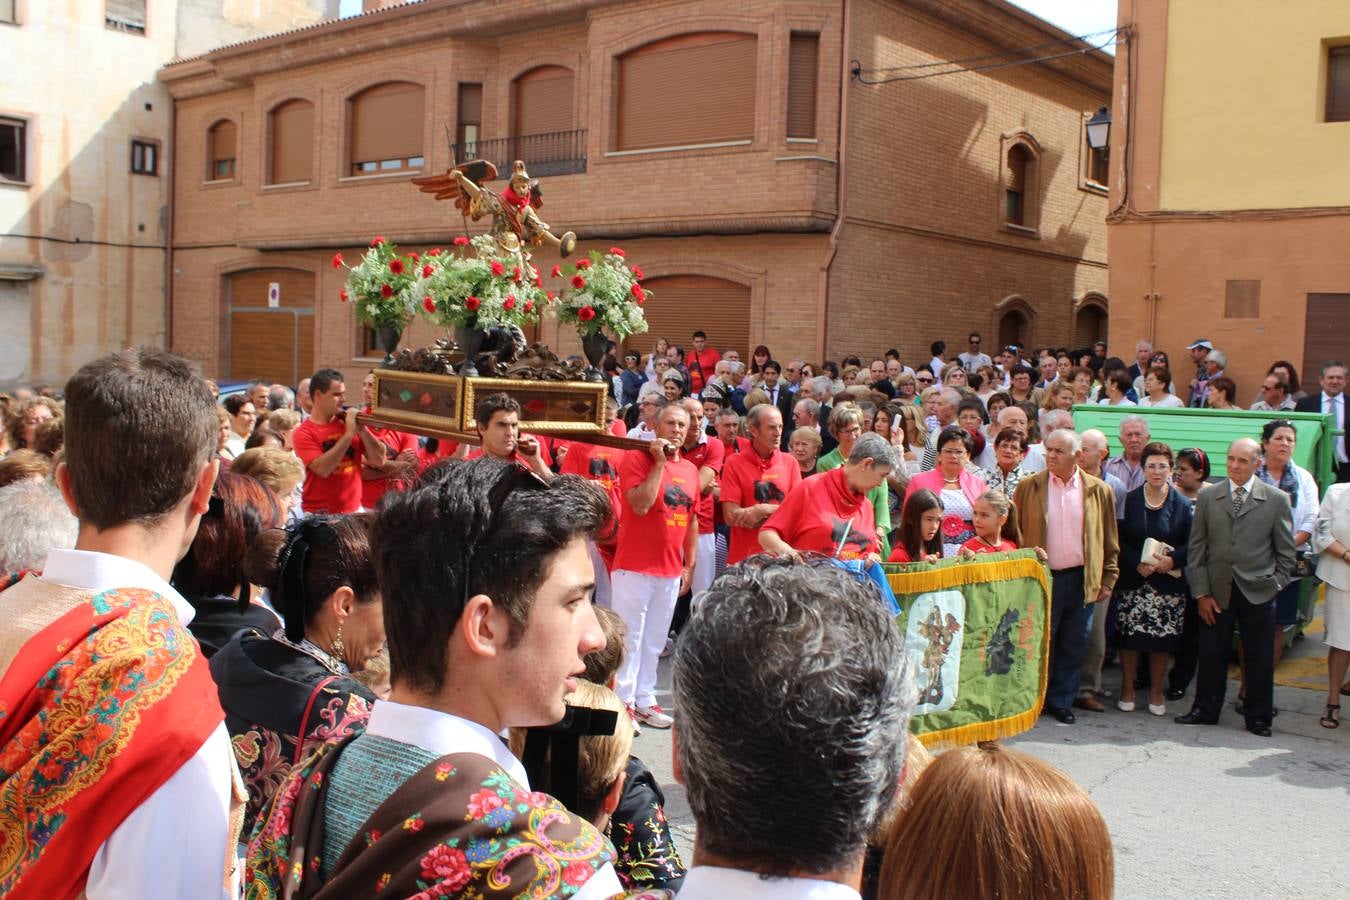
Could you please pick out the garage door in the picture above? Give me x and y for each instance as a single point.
(683, 304)
(271, 325)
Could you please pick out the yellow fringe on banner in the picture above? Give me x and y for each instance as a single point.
(924, 577)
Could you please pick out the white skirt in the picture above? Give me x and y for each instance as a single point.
(1336, 614)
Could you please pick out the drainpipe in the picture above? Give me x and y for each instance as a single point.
(168, 226)
(840, 203)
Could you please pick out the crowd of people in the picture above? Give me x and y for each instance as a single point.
(308, 655)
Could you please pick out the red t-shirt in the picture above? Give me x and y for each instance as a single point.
(340, 492)
(748, 479)
(821, 513)
(654, 544)
(701, 366)
(979, 546)
(593, 462)
(899, 554)
(710, 454)
(395, 442)
(618, 429)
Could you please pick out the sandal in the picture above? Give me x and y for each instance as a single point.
(1332, 719)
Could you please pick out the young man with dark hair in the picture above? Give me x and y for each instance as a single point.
(332, 447)
(701, 362)
(114, 741)
(486, 587)
(497, 419)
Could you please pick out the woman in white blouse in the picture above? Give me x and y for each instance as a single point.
(1331, 540)
(1155, 393)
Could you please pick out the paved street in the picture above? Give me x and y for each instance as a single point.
(1210, 812)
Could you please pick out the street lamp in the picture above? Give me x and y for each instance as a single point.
(1099, 129)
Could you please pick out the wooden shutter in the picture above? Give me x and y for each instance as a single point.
(803, 71)
(1338, 84)
(1328, 322)
(694, 89)
(126, 12)
(1017, 170)
(544, 101)
(224, 137)
(292, 142)
(387, 122)
(683, 304)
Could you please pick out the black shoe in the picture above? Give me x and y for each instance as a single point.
(1063, 715)
(1194, 718)
(1259, 730)
(1174, 693)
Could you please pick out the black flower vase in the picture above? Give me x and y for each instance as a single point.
(470, 339)
(388, 338)
(593, 346)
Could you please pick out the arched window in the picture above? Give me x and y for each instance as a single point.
(687, 90)
(1090, 320)
(1014, 327)
(1020, 181)
(1015, 189)
(222, 149)
(291, 127)
(386, 129)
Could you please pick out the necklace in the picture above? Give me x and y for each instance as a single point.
(1150, 502)
(313, 651)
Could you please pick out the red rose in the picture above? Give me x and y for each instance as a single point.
(427, 271)
(517, 274)
(586, 313)
(342, 295)
(415, 257)
(396, 266)
(639, 294)
(337, 260)
(617, 251)
(386, 291)
(448, 868)
(498, 268)
(557, 270)
(583, 264)
(484, 803)
(577, 873)
(638, 273)
(428, 304)
(578, 282)
(953, 525)
(434, 251)
(529, 306)
(551, 295)
(472, 303)
(377, 242)
(636, 290)
(461, 241)
(509, 302)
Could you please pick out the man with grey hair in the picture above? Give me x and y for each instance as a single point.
(806, 414)
(826, 685)
(755, 481)
(1128, 466)
(945, 410)
(1142, 351)
(650, 403)
(33, 519)
(1013, 417)
(280, 397)
(832, 513)
(304, 399)
(1073, 516)
(821, 390)
(793, 375)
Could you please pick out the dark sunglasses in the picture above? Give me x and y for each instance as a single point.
(514, 477)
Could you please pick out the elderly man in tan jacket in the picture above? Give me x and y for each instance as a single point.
(1073, 516)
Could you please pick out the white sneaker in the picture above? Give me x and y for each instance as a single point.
(654, 716)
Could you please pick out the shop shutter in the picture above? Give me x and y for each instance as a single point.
(803, 67)
(224, 140)
(683, 304)
(1324, 334)
(544, 101)
(292, 142)
(1338, 85)
(272, 344)
(387, 122)
(694, 89)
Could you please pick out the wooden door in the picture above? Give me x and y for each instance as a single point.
(271, 342)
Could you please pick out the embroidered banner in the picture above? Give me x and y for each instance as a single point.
(978, 634)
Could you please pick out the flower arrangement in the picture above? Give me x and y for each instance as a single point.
(381, 286)
(479, 289)
(604, 293)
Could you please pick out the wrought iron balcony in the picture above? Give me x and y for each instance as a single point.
(555, 153)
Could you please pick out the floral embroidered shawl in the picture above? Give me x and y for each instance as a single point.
(97, 710)
(461, 827)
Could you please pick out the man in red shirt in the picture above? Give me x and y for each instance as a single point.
(654, 561)
(754, 483)
(397, 465)
(331, 446)
(702, 362)
(706, 454)
(601, 465)
(497, 419)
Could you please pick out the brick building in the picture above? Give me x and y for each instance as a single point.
(770, 197)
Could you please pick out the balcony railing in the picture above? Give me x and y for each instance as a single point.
(555, 153)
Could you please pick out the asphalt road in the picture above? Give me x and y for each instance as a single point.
(1198, 812)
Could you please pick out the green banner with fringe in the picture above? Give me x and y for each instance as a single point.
(978, 634)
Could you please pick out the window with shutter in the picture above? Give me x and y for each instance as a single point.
(1338, 84)
(386, 129)
(1327, 324)
(125, 15)
(803, 71)
(1014, 188)
(222, 141)
(688, 90)
(683, 304)
(470, 115)
(13, 150)
(292, 128)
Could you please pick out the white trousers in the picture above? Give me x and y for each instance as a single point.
(602, 596)
(646, 603)
(705, 567)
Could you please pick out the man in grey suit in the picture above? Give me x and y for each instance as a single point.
(1241, 555)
